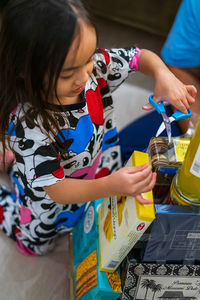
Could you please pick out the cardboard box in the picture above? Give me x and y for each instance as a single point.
(122, 221)
(161, 282)
(90, 282)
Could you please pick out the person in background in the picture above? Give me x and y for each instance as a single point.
(181, 51)
(57, 117)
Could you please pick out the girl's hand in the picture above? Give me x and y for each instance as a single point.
(169, 88)
(132, 181)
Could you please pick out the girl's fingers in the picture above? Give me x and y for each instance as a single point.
(134, 170)
(182, 105)
(142, 200)
(182, 99)
(147, 106)
(192, 91)
(142, 176)
(147, 184)
(190, 99)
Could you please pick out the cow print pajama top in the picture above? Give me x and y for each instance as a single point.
(88, 136)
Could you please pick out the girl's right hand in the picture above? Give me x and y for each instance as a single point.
(132, 181)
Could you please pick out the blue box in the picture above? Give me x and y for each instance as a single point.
(90, 282)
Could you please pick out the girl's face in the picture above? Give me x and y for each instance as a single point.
(77, 67)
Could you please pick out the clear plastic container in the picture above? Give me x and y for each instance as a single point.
(166, 158)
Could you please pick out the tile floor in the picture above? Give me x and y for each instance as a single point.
(23, 278)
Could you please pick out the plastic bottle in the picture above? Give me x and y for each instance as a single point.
(185, 188)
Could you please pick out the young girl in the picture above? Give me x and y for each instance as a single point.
(57, 117)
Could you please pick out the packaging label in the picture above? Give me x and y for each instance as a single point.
(89, 219)
(140, 226)
(195, 168)
(186, 239)
(181, 146)
(114, 214)
(193, 235)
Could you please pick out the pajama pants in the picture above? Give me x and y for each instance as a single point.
(9, 219)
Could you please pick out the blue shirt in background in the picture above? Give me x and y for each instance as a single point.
(182, 46)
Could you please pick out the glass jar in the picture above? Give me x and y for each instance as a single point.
(185, 188)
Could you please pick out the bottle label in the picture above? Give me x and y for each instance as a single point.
(195, 168)
(181, 146)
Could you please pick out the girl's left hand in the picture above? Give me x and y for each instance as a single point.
(169, 88)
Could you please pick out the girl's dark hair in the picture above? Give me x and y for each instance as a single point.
(35, 38)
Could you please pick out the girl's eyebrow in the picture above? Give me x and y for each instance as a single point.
(73, 68)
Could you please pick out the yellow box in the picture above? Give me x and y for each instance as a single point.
(122, 221)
